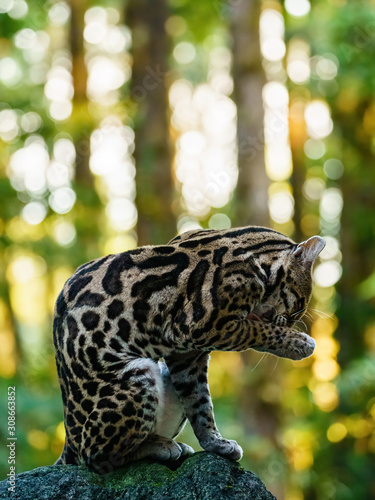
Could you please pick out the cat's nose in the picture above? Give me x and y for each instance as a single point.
(268, 315)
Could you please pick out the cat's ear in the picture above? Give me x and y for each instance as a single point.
(309, 250)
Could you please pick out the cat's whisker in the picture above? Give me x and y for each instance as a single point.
(304, 324)
(309, 316)
(258, 363)
(321, 313)
(274, 368)
(301, 310)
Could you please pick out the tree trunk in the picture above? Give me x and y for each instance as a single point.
(83, 174)
(149, 90)
(249, 78)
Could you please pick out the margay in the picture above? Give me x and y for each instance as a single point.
(119, 315)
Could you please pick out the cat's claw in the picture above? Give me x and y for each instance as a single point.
(227, 448)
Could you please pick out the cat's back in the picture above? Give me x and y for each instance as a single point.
(141, 272)
(119, 284)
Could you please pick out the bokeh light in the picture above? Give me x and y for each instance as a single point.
(184, 52)
(297, 8)
(205, 163)
(318, 119)
(112, 145)
(68, 125)
(272, 35)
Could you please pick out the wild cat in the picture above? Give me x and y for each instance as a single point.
(133, 334)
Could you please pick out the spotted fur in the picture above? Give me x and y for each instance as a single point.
(118, 316)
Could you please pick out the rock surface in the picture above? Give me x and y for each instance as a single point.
(204, 476)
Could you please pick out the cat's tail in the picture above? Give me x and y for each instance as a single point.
(67, 456)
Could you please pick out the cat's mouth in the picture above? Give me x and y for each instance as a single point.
(261, 314)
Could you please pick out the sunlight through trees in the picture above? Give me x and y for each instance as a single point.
(125, 123)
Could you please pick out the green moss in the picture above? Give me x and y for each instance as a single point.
(146, 473)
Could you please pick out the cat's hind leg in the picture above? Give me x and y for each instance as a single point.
(114, 413)
(133, 414)
(170, 420)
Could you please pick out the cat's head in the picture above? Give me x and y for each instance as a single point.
(289, 283)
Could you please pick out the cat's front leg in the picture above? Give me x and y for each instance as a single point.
(235, 333)
(189, 377)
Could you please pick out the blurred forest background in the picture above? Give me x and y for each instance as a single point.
(123, 123)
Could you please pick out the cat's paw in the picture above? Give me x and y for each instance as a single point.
(302, 347)
(295, 346)
(186, 450)
(227, 448)
(158, 448)
(168, 451)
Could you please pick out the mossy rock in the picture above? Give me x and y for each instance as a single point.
(204, 476)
